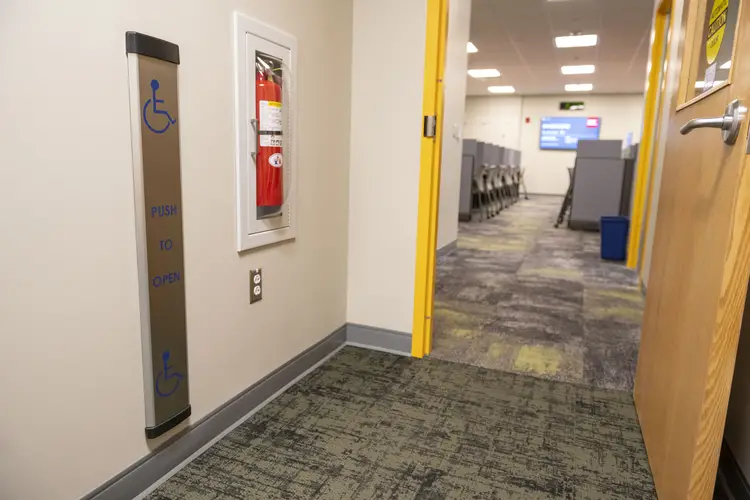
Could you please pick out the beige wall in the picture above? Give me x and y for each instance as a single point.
(70, 365)
(456, 62)
(386, 128)
(492, 119)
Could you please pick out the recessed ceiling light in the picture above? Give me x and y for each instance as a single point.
(583, 69)
(502, 89)
(726, 65)
(579, 87)
(484, 73)
(565, 42)
(471, 48)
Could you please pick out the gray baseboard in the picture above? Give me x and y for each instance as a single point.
(379, 339)
(447, 249)
(154, 466)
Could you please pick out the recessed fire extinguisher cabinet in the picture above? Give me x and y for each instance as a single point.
(265, 117)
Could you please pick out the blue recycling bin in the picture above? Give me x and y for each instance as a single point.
(614, 233)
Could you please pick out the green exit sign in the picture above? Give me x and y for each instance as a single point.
(572, 106)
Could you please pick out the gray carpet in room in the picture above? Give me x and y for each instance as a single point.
(371, 425)
(520, 296)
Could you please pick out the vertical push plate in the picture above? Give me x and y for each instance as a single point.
(256, 285)
(155, 122)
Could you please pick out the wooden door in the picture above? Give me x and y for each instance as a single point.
(701, 259)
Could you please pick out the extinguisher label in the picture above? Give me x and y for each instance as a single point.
(276, 160)
(270, 116)
(271, 141)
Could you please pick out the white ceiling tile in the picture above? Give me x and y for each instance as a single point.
(517, 37)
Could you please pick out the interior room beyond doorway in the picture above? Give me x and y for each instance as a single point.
(515, 293)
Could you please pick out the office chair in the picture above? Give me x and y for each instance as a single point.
(522, 184)
(497, 188)
(568, 200)
(478, 193)
(494, 202)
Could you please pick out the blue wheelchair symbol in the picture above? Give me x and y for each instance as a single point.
(156, 111)
(167, 383)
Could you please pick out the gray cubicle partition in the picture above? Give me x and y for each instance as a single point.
(597, 183)
(497, 155)
(631, 162)
(506, 156)
(488, 153)
(468, 160)
(502, 153)
(599, 149)
(477, 154)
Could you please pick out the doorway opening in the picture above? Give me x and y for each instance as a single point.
(513, 292)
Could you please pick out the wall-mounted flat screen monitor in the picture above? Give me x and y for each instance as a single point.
(563, 132)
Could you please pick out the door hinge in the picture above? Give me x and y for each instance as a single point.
(430, 126)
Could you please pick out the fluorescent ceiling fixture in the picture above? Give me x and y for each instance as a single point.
(726, 65)
(502, 89)
(583, 69)
(484, 73)
(579, 87)
(564, 42)
(471, 48)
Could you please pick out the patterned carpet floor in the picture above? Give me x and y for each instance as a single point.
(520, 296)
(372, 425)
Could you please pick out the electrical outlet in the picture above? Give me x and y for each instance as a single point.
(256, 285)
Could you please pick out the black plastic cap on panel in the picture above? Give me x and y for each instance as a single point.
(154, 432)
(138, 43)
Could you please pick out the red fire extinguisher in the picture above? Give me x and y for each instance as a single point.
(269, 159)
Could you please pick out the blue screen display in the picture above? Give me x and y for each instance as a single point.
(563, 133)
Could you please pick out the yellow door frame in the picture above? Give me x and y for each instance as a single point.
(648, 139)
(664, 9)
(429, 177)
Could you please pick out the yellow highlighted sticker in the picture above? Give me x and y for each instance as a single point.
(717, 24)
